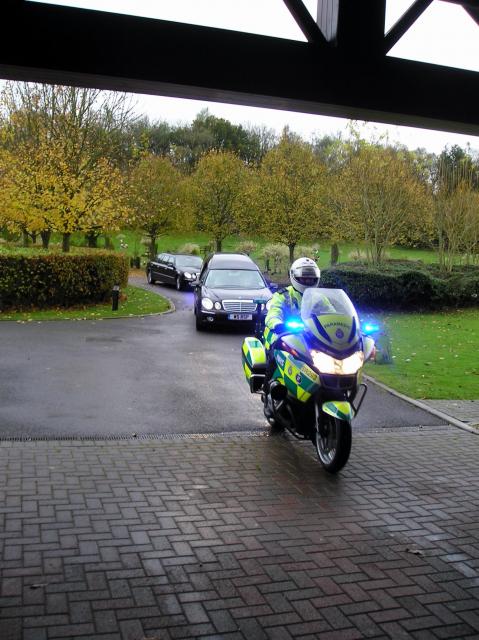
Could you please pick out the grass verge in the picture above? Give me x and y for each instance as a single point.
(134, 302)
(435, 355)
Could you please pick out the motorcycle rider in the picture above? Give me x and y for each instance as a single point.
(286, 305)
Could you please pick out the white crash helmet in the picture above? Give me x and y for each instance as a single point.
(304, 273)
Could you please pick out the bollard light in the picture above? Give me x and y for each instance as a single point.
(115, 296)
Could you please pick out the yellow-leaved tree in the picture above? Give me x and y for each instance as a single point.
(456, 212)
(89, 198)
(64, 176)
(290, 193)
(217, 192)
(382, 198)
(155, 196)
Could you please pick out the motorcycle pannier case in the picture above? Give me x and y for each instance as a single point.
(254, 363)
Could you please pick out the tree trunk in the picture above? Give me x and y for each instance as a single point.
(66, 242)
(34, 237)
(334, 254)
(153, 247)
(109, 243)
(92, 239)
(291, 252)
(26, 239)
(219, 243)
(45, 235)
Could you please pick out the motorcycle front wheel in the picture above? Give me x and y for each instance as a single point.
(333, 443)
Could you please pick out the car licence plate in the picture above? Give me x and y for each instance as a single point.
(240, 316)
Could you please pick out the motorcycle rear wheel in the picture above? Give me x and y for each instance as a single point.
(333, 445)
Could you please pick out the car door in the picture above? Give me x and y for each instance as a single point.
(169, 271)
(156, 267)
(201, 278)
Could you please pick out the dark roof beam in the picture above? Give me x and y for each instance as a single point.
(471, 6)
(355, 28)
(128, 53)
(406, 21)
(305, 22)
(474, 13)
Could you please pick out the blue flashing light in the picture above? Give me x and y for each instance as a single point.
(370, 328)
(294, 325)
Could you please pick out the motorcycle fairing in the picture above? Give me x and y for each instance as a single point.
(298, 343)
(338, 334)
(253, 356)
(299, 379)
(338, 409)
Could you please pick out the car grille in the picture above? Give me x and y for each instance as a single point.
(239, 306)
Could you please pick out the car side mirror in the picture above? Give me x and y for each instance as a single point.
(195, 283)
(273, 286)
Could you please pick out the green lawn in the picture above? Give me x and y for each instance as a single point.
(435, 355)
(174, 242)
(134, 302)
(130, 242)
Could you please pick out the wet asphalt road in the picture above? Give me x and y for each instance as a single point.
(153, 375)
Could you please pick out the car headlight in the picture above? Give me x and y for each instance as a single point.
(207, 304)
(188, 275)
(218, 305)
(268, 305)
(328, 364)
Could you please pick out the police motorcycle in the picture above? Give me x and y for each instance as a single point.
(316, 388)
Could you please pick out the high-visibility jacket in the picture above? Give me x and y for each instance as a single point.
(285, 304)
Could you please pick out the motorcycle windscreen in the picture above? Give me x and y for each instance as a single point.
(330, 316)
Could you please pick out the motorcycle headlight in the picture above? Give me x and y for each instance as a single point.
(207, 304)
(268, 304)
(328, 364)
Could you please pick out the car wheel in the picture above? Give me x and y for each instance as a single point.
(150, 279)
(178, 283)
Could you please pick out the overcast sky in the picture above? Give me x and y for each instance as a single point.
(444, 34)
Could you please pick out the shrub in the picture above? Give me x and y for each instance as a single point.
(358, 256)
(399, 285)
(51, 280)
(361, 256)
(247, 246)
(190, 248)
(276, 257)
(209, 247)
(307, 251)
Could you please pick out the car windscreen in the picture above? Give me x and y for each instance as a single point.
(189, 262)
(234, 279)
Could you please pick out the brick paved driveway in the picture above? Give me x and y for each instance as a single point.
(240, 536)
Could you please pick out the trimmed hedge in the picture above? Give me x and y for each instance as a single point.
(53, 280)
(398, 285)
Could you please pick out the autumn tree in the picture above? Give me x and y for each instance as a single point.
(217, 191)
(26, 192)
(381, 195)
(66, 136)
(155, 195)
(456, 209)
(290, 192)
